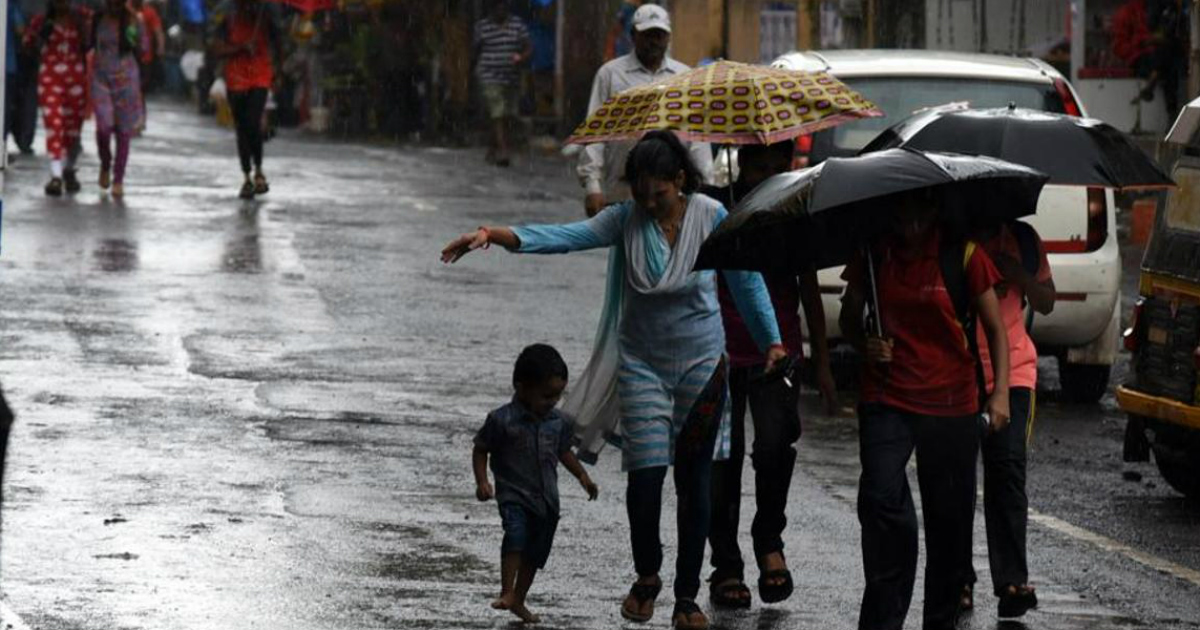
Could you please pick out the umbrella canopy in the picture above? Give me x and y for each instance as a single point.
(1071, 150)
(820, 216)
(727, 102)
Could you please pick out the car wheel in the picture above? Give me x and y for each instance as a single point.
(1083, 383)
(1184, 476)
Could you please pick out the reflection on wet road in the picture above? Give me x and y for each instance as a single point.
(258, 415)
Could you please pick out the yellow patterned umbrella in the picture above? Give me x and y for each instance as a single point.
(729, 103)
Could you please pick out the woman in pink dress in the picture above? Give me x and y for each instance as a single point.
(116, 88)
(60, 38)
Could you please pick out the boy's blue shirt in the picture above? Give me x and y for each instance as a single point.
(524, 456)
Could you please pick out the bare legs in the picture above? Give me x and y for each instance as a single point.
(516, 576)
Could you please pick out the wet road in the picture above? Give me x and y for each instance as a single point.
(258, 415)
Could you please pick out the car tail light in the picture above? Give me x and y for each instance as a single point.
(1130, 336)
(1070, 107)
(1097, 209)
(803, 148)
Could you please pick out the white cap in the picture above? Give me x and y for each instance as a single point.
(651, 16)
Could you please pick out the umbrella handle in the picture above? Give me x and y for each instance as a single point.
(874, 293)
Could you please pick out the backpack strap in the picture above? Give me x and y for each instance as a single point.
(1027, 243)
(954, 254)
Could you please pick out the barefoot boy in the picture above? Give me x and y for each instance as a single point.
(526, 439)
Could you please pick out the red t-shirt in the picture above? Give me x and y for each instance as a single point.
(785, 297)
(1022, 353)
(153, 24)
(932, 371)
(248, 71)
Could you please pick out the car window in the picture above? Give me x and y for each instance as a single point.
(1183, 203)
(900, 97)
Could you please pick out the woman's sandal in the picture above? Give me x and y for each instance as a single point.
(247, 191)
(770, 591)
(966, 599)
(685, 614)
(54, 188)
(639, 595)
(1015, 601)
(261, 187)
(730, 592)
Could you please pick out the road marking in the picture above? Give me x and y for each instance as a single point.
(1112, 546)
(10, 619)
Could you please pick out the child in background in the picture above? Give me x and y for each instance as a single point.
(526, 439)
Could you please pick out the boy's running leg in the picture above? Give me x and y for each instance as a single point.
(509, 563)
(526, 571)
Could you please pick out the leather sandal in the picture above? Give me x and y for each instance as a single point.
(683, 617)
(1015, 601)
(769, 588)
(54, 188)
(639, 595)
(728, 592)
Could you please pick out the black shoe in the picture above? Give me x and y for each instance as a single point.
(54, 188)
(71, 181)
(247, 191)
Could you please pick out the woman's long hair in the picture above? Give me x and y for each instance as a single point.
(124, 46)
(661, 155)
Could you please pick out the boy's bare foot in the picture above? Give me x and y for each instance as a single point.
(501, 603)
(521, 611)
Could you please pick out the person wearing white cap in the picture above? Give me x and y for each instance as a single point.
(601, 164)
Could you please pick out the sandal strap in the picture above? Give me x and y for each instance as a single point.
(686, 607)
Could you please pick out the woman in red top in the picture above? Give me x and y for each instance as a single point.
(920, 392)
(249, 46)
(60, 38)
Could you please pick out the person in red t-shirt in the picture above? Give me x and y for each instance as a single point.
(156, 46)
(919, 392)
(249, 44)
(1005, 503)
(773, 410)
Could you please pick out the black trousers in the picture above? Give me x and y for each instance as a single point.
(248, 107)
(772, 408)
(946, 449)
(1005, 504)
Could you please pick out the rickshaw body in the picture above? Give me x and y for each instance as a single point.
(1162, 396)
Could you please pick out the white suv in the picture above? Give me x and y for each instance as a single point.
(1077, 225)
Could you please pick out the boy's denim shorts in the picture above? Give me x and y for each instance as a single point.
(527, 534)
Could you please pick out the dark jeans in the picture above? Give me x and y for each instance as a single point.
(1005, 504)
(247, 107)
(20, 107)
(776, 428)
(946, 449)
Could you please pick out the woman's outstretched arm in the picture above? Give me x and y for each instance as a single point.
(603, 230)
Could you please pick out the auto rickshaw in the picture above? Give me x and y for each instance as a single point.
(1162, 396)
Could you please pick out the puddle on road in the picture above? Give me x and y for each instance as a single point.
(432, 563)
(116, 255)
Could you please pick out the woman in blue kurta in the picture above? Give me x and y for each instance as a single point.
(668, 338)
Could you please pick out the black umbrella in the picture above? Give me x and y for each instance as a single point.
(1071, 150)
(819, 217)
